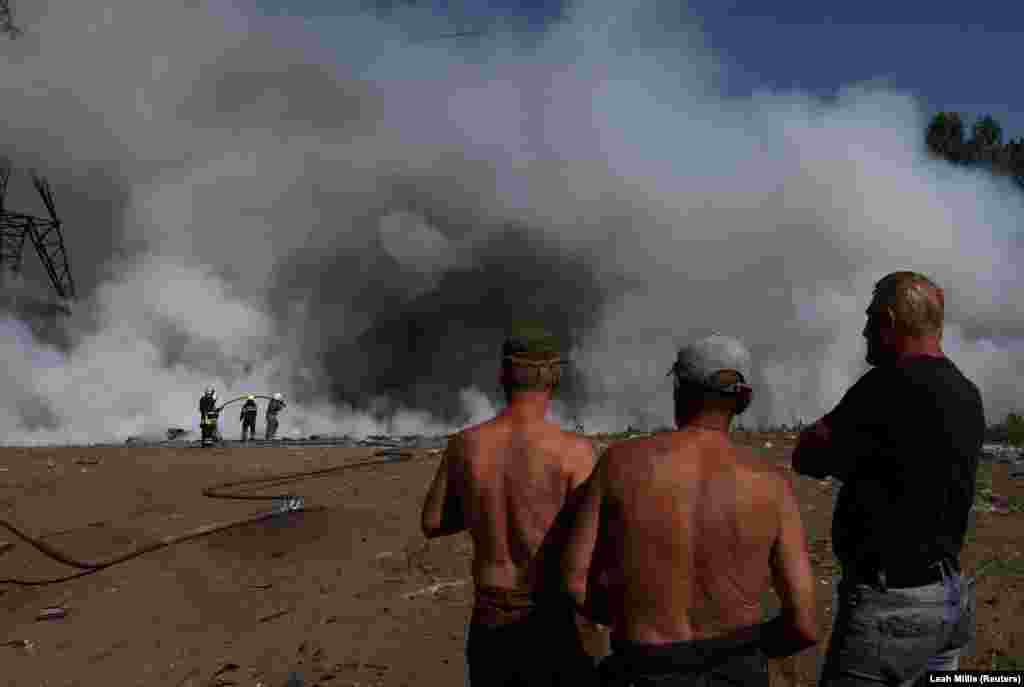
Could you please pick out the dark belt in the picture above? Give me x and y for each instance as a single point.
(903, 576)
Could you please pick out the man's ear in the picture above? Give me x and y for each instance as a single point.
(891, 318)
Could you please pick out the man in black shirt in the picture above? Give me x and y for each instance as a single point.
(905, 441)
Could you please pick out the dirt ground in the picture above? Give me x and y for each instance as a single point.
(347, 596)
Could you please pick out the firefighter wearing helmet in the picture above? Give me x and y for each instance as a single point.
(208, 414)
(248, 418)
(275, 406)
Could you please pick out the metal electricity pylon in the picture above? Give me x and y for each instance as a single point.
(44, 234)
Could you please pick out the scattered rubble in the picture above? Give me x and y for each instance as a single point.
(1001, 453)
(433, 589)
(177, 433)
(87, 460)
(226, 668)
(275, 615)
(25, 644)
(999, 504)
(54, 613)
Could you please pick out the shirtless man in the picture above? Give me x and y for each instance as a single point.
(679, 535)
(508, 482)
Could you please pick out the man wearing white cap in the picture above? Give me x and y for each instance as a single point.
(681, 533)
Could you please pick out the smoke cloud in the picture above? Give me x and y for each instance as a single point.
(351, 215)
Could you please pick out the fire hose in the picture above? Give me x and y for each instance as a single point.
(211, 418)
(224, 405)
(293, 503)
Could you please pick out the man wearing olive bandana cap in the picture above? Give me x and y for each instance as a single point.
(509, 482)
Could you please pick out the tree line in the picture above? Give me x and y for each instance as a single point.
(947, 139)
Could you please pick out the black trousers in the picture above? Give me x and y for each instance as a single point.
(542, 650)
(249, 423)
(732, 660)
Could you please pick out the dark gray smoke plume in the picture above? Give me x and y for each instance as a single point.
(351, 215)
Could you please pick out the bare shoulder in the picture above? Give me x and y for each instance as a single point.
(579, 450)
(750, 460)
(576, 442)
(629, 452)
(479, 433)
(767, 476)
(464, 444)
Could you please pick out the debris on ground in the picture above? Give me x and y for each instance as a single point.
(999, 504)
(6, 546)
(1001, 453)
(87, 460)
(432, 590)
(176, 433)
(275, 615)
(24, 644)
(226, 668)
(53, 613)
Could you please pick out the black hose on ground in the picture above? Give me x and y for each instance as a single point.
(216, 491)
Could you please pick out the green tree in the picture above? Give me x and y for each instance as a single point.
(987, 133)
(945, 136)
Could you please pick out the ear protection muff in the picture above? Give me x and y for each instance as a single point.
(744, 394)
(719, 383)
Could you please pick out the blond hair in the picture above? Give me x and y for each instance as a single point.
(916, 302)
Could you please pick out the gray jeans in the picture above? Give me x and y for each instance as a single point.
(893, 637)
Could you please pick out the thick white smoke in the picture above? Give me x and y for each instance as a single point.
(248, 149)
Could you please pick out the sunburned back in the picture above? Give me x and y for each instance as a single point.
(517, 478)
(691, 525)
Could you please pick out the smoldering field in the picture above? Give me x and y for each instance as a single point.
(345, 213)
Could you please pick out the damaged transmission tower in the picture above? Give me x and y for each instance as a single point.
(44, 234)
(7, 25)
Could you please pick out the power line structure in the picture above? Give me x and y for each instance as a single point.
(45, 235)
(7, 25)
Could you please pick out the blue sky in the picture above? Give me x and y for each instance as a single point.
(959, 58)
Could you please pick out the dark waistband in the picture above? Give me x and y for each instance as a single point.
(498, 606)
(687, 655)
(903, 575)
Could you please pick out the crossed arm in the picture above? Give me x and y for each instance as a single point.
(820, 452)
(810, 457)
(581, 569)
(442, 512)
